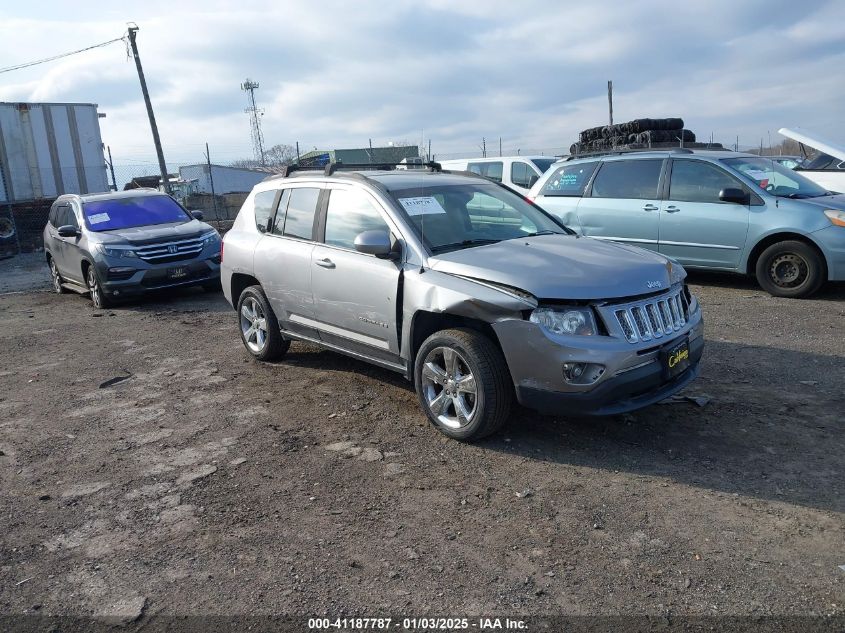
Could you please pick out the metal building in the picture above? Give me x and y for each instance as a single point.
(48, 149)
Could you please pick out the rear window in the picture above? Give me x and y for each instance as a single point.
(127, 213)
(637, 179)
(569, 180)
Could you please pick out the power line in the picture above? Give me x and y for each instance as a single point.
(55, 57)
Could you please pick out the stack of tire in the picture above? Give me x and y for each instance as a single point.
(632, 135)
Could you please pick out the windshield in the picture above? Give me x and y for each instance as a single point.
(127, 213)
(775, 178)
(543, 163)
(451, 217)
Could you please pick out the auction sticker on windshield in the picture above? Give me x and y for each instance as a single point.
(98, 218)
(423, 205)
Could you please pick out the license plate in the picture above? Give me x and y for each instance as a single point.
(177, 273)
(676, 358)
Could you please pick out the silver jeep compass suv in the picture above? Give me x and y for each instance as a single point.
(464, 287)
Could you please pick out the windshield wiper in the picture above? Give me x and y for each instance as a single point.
(543, 232)
(463, 244)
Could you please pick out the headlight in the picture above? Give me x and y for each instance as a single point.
(116, 251)
(210, 238)
(835, 217)
(565, 320)
(676, 272)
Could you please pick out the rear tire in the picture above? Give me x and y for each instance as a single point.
(463, 384)
(791, 269)
(259, 327)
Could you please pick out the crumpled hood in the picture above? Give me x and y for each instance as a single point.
(563, 267)
(155, 233)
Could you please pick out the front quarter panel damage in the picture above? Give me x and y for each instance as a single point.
(442, 293)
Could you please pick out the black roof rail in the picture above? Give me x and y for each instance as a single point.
(331, 168)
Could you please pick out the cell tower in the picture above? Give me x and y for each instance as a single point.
(254, 113)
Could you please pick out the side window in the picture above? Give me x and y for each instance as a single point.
(263, 209)
(279, 224)
(634, 178)
(351, 212)
(493, 171)
(53, 214)
(65, 217)
(697, 181)
(522, 174)
(569, 180)
(299, 219)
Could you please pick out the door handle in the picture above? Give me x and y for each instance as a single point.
(650, 207)
(325, 263)
(672, 209)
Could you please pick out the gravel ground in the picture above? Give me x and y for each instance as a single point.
(203, 482)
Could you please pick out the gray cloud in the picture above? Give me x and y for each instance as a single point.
(339, 73)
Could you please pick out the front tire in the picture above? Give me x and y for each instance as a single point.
(258, 326)
(790, 269)
(463, 384)
(56, 276)
(98, 297)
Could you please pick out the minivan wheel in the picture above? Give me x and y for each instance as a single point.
(56, 277)
(463, 383)
(98, 298)
(790, 269)
(258, 325)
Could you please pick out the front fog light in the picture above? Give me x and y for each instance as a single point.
(582, 373)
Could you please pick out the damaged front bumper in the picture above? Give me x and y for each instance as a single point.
(631, 376)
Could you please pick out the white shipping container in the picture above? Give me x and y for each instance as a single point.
(48, 149)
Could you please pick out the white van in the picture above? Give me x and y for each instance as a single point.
(517, 172)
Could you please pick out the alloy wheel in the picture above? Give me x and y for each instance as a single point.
(57, 279)
(451, 393)
(94, 287)
(253, 325)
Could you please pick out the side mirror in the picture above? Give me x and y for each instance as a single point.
(734, 195)
(198, 215)
(376, 243)
(68, 230)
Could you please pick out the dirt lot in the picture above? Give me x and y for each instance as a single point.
(206, 483)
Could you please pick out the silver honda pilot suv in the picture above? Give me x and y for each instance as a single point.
(463, 286)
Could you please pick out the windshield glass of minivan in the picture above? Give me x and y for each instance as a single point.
(130, 212)
(775, 178)
(543, 163)
(451, 217)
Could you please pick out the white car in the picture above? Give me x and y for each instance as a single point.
(828, 168)
(517, 172)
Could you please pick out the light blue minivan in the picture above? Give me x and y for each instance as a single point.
(714, 210)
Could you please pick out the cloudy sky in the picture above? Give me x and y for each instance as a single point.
(335, 74)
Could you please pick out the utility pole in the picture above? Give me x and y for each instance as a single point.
(429, 150)
(483, 147)
(254, 112)
(165, 181)
(111, 167)
(211, 181)
(500, 147)
(297, 152)
(610, 100)
(371, 151)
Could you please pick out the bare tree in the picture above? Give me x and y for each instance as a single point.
(275, 156)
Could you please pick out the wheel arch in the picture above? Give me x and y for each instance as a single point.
(782, 236)
(426, 323)
(240, 282)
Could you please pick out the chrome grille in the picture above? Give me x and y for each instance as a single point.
(653, 318)
(170, 251)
